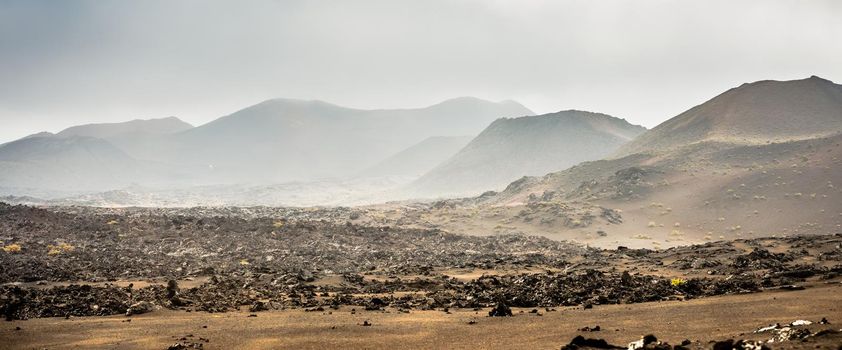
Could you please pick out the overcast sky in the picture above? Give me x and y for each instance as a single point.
(70, 62)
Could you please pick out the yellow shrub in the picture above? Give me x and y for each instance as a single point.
(61, 248)
(12, 248)
(675, 282)
(278, 224)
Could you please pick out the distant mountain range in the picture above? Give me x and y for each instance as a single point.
(511, 148)
(274, 141)
(283, 140)
(771, 141)
(134, 128)
(67, 164)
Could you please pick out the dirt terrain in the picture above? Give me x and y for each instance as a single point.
(146, 278)
(695, 194)
(699, 321)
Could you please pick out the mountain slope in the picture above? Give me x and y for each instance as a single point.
(717, 171)
(511, 148)
(272, 142)
(135, 137)
(66, 164)
(760, 112)
(419, 158)
(282, 140)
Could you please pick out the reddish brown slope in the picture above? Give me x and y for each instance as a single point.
(753, 113)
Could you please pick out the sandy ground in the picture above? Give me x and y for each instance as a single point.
(701, 319)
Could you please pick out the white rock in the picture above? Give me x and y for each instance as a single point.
(800, 323)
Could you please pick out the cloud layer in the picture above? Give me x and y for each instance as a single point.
(71, 62)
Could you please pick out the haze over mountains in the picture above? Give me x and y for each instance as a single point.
(310, 152)
(514, 147)
(274, 141)
(420, 158)
(53, 163)
(284, 140)
(137, 127)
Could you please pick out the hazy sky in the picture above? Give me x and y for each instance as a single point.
(70, 62)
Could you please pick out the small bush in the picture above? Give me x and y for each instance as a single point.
(61, 248)
(677, 282)
(12, 248)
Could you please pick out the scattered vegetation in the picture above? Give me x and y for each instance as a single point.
(12, 248)
(61, 248)
(677, 282)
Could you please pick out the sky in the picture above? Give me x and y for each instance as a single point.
(66, 63)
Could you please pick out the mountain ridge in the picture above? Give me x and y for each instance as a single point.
(758, 112)
(109, 130)
(510, 148)
(281, 140)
